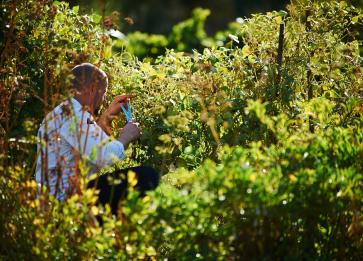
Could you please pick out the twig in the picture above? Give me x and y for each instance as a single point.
(280, 53)
(309, 75)
(46, 103)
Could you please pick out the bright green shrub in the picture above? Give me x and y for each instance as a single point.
(184, 36)
(300, 199)
(142, 44)
(191, 104)
(190, 34)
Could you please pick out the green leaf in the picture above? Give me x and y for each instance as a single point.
(282, 13)
(246, 51)
(343, 4)
(278, 20)
(96, 18)
(355, 19)
(75, 9)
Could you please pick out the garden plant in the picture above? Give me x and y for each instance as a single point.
(257, 132)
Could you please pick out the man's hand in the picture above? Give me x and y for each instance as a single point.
(115, 106)
(129, 133)
(112, 111)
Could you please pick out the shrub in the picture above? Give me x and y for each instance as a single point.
(261, 159)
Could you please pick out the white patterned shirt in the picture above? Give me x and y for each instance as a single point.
(71, 135)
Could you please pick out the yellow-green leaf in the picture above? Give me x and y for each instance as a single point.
(355, 19)
(278, 20)
(246, 51)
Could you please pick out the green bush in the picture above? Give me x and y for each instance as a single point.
(190, 34)
(142, 44)
(184, 36)
(301, 199)
(260, 160)
(191, 104)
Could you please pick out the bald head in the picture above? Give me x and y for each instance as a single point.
(87, 75)
(90, 84)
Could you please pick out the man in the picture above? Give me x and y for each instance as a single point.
(69, 134)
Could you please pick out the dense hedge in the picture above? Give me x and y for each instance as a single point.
(262, 159)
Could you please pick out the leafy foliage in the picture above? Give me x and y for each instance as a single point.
(261, 160)
(184, 36)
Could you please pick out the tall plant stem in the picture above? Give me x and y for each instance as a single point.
(309, 74)
(280, 52)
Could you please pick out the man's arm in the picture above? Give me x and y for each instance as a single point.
(92, 142)
(105, 122)
(129, 133)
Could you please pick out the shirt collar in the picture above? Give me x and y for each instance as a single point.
(78, 108)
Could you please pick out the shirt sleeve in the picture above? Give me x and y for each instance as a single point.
(91, 141)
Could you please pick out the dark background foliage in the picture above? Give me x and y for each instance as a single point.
(157, 16)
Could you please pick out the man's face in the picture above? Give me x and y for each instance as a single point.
(100, 94)
(97, 94)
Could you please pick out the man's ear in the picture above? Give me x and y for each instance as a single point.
(86, 90)
(74, 92)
